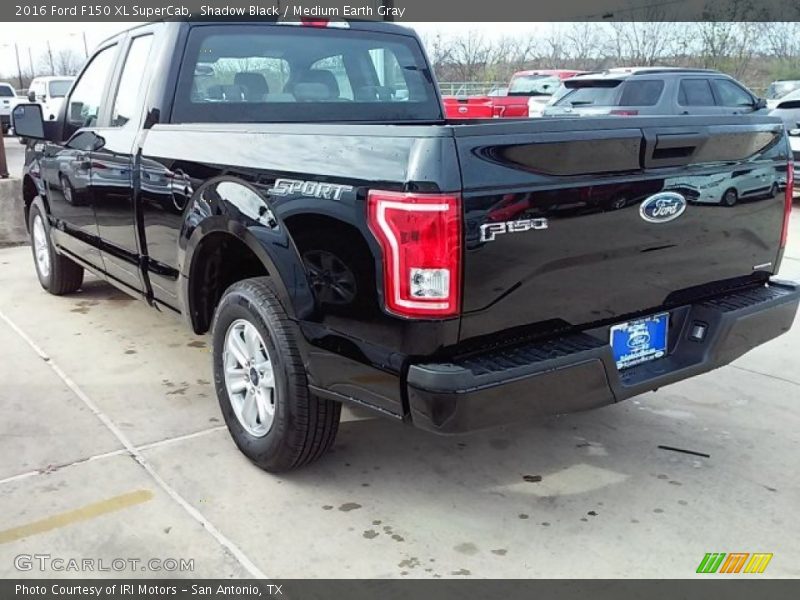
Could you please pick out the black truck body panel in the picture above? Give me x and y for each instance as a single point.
(532, 336)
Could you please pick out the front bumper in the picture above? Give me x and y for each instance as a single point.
(577, 372)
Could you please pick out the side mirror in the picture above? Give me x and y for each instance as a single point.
(31, 96)
(28, 121)
(760, 103)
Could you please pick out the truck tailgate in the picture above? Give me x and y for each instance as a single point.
(566, 227)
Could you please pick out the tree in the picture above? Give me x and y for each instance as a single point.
(67, 62)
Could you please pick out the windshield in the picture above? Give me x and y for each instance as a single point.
(533, 85)
(6, 91)
(601, 92)
(270, 73)
(778, 89)
(59, 88)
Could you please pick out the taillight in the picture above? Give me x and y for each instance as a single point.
(624, 113)
(787, 209)
(420, 237)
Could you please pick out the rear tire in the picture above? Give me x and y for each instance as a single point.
(261, 382)
(57, 273)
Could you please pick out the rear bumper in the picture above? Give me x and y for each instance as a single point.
(577, 372)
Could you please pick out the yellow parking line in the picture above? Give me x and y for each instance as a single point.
(90, 511)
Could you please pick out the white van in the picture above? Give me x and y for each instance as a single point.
(50, 93)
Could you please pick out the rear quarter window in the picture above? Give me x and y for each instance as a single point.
(274, 73)
(600, 92)
(641, 92)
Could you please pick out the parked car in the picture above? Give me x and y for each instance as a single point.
(788, 110)
(654, 91)
(527, 91)
(779, 89)
(8, 100)
(538, 87)
(50, 93)
(344, 243)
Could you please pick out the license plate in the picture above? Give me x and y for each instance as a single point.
(639, 341)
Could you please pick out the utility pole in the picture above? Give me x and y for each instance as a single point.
(19, 68)
(50, 56)
(30, 62)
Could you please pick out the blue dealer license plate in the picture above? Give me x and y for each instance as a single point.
(639, 341)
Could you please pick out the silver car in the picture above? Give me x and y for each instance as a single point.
(654, 91)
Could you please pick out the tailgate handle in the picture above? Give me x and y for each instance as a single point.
(672, 149)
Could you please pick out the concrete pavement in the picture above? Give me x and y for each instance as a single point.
(112, 446)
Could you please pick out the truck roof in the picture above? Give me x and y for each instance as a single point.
(377, 26)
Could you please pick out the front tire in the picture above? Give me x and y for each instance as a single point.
(261, 382)
(57, 274)
(730, 197)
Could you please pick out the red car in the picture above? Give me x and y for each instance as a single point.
(525, 88)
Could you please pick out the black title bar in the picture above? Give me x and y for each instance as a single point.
(403, 10)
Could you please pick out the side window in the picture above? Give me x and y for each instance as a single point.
(330, 70)
(695, 92)
(641, 92)
(84, 102)
(730, 94)
(391, 81)
(131, 90)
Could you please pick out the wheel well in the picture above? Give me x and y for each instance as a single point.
(29, 192)
(220, 261)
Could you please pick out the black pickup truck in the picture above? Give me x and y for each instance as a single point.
(295, 189)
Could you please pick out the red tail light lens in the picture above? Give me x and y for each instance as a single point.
(420, 237)
(624, 113)
(787, 209)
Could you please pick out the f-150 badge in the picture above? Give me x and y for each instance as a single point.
(489, 231)
(314, 189)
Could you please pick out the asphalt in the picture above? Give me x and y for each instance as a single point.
(112, 447)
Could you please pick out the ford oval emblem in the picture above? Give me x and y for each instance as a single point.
(663, 207)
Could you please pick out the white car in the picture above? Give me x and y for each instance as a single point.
(779, 89)
(788, 109)
(794, 141)
(8, 100)
(50, 93)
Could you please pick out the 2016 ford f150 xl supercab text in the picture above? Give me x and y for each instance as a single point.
(297, 192)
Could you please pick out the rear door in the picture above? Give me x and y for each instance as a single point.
(113, 164)
(564, 228)
(695, 97)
